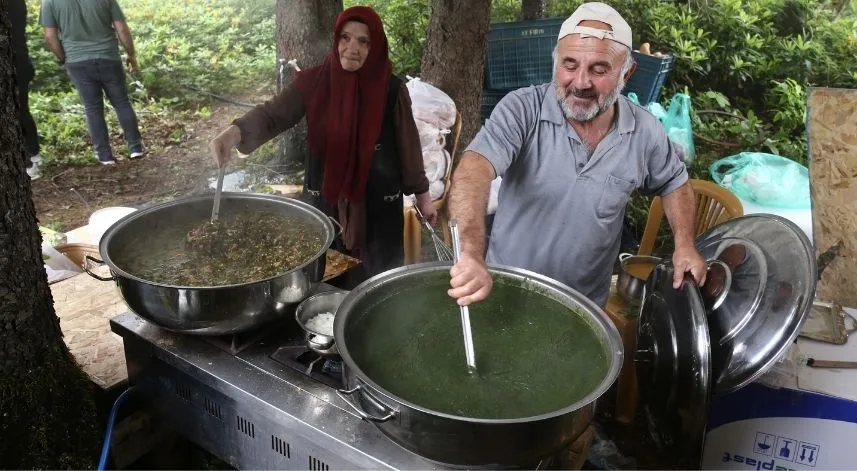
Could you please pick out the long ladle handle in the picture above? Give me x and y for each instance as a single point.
(469, 352)
(215, 210)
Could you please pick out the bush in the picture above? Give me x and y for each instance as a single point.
(753, 58)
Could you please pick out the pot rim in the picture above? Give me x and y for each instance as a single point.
(121, 223)
(610, 333)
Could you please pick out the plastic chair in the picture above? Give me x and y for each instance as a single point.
(714, 205)
(413, 227)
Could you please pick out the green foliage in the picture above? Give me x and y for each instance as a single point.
(224, 47)
(759, 56)
(406, 23)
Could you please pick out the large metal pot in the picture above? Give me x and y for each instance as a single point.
(211, 310)
(463, 441)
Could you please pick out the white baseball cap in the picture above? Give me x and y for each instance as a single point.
(597, 11)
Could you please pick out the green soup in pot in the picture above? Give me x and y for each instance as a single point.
(534, 354)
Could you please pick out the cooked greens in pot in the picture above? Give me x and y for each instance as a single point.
(238, 248)
(534, 355)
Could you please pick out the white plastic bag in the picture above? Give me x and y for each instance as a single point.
(431, 137)
(493, 196)
(430, 104)
(436, 189)
(435, 162)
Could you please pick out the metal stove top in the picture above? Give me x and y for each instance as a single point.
(249, 400)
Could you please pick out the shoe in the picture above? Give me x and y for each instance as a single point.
(136, 155)
(110, 161)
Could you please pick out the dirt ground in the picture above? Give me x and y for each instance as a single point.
(67, 194)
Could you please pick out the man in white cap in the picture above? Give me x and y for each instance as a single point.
(570, 153)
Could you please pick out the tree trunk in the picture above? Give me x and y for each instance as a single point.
(304, 33)
(533, 9)
(454, 56)
(47, 413)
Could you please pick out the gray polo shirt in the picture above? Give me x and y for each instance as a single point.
(560, 211)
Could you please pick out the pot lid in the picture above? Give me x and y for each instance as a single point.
(759, 288)
(673, 363)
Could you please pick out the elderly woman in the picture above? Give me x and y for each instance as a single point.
(364, 149)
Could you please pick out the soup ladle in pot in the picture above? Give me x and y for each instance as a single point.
(465, 311)
(215, 210)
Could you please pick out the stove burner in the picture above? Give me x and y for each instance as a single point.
(326, 370)
(234, 344)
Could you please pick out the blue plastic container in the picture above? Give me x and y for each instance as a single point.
(490, 98)
(519, 53)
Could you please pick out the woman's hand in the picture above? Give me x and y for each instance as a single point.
(222, 144)
(426, 207)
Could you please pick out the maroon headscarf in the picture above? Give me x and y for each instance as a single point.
(344, 109)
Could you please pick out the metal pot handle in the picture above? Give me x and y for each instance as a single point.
(727, 283)
(90, 258)
(624, 256)
(337, 224)
(342, 393)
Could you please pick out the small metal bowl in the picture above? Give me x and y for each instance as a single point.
(326, 301)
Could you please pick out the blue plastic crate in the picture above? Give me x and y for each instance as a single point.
(649, 78)
(490, 98)
(519, 53)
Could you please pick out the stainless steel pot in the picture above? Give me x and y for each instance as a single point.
(327, 301)
(211, 310)
(627, 285)
(462, 441)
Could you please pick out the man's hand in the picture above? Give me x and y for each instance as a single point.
(470, 281)
(222, 144)
(687, 259)
(426, 207)
(131, 61)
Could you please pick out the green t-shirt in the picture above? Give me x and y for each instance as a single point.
(85, 27)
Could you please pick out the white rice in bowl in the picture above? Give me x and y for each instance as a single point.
(321, 323)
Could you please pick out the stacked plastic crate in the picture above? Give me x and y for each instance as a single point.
(520, 54)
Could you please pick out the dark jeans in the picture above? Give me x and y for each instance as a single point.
(31, 135)
(94, 78)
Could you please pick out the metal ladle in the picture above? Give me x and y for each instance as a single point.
(465, 311)
(215, 211)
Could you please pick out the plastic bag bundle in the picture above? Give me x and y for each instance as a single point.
(434, 113)
(431, 104)
(435, 162)
(766, 179)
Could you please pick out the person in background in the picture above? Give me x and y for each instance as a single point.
(570, 154)
(364, 149)
(24, 74)
(83, 37)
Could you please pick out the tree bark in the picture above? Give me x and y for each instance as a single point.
(47, 413)
(454, 56)
(533, 9)
(304, 33)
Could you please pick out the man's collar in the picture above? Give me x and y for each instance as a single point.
(552, 111)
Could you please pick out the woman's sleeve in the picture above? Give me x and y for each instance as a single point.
(410, 151)
(266, 121)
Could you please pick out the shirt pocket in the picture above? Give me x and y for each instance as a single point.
(614, 197)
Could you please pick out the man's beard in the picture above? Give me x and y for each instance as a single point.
(592, 111)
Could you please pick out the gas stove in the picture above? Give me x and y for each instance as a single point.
(259, 400)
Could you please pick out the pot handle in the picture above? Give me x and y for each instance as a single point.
(337, 224)
(624, 256)
(342, 393)
(723, 288)
(99, 262)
